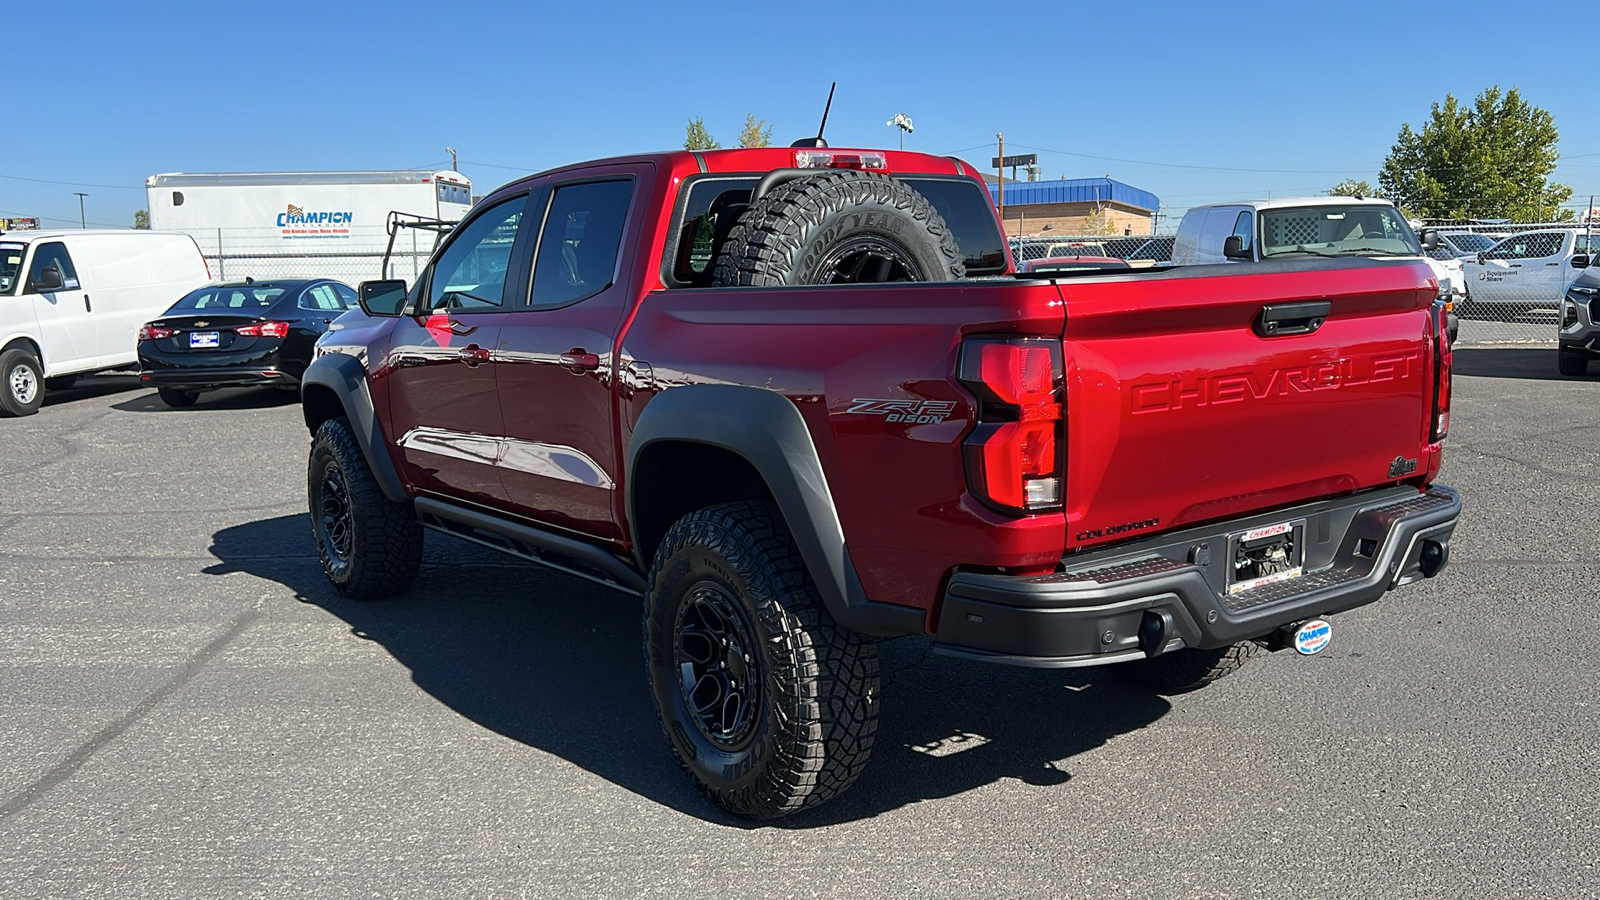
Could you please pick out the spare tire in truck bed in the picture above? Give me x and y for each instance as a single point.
(840, 227)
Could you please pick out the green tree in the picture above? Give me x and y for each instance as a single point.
(1097, 223)
(141, 218)
(1492, 159)
(697, 138)
(754, 134)
(1350, 187)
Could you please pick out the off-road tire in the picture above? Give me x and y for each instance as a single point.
(370, 546)
(791, 235)
(178, 399)
(1571, 363)
(21, 382)
(814, 714)
(1188, 669)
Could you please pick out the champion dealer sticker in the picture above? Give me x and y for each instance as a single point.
(1312, 636)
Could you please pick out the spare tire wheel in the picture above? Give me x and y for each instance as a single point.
(843, 227)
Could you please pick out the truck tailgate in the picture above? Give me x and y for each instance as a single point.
(1180, 412)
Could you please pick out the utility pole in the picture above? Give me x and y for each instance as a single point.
(81, 222)
(1000, 172)
(452, 152)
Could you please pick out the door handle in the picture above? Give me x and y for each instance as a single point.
(86, 306)
(1292, 318)
(473, 355)
(577, 361)
(1515, 265)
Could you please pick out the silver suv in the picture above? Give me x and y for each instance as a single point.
(1580, 323)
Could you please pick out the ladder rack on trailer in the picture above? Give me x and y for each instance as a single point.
(399, 220)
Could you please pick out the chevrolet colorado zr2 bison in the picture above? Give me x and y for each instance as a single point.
(797, 400)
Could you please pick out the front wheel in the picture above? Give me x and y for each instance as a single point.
(768, 704)
(23, 390)
(1572, 362)
(370, 546)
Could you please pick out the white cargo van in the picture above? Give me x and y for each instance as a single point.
(1307, 228)
(71, 303)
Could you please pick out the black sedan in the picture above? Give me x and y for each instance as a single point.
(238, 334)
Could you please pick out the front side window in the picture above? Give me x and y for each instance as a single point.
(471, 273)
(1354, 230)
(1527, 246)
(582, 236)
(1242, 229)
(54, 256)
(322, 297)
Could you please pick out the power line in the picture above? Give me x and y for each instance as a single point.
(115, 187)
(1145, 162)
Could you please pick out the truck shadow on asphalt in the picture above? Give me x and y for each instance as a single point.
(225, 398)
(1538, 363)
(554, 662)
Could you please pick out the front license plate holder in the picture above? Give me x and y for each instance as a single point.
(204, 340)
(1266, 555)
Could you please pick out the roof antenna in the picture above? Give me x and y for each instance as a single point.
(818, 141)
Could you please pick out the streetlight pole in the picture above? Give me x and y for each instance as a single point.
(452, 152)
(903, 122)
(81, 222)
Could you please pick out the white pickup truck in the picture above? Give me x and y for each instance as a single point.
(1528, 271)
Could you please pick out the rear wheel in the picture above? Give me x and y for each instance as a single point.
(22, 392)
(1572, 362)
(1187, 669)
(370, 546)
(178, 399)
(768, 704)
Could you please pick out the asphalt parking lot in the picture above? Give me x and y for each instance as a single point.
(188, 710)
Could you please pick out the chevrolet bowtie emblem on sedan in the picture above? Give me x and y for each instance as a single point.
(201, 324)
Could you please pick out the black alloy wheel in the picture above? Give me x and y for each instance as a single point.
(719, 669)
(334, 518)
(868, 260)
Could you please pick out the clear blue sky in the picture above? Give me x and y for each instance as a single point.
(1213, 101)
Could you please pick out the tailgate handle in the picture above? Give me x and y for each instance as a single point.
(1292, 318)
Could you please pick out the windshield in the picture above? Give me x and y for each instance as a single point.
(10, 265)
(1354, 230)
(1469, 242)
(248, 297)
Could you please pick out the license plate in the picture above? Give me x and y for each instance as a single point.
(1266, 555)
(203, 339)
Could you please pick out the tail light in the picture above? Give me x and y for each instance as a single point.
(830, 159)
(153, 332)
(1013, 458)
(1442, 364)
(264, 329)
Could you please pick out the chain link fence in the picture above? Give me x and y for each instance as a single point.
(354, 257)
(1516, 275)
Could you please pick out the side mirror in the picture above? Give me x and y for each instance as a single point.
(1430, 239)
(1581, 261)
(1234, 248)
(49, 279)
(382, 298)
(1480, 258)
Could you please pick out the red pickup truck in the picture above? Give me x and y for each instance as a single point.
(798, 400)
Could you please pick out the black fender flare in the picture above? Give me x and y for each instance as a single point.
(766, 429)
(346, 377)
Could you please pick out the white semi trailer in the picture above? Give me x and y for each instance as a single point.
(306, 224)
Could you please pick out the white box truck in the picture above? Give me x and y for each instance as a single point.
(306, 224)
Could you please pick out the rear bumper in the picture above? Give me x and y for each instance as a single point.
(203, 379)
(1168, 592)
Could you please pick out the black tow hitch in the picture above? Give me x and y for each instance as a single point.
(1282, 638)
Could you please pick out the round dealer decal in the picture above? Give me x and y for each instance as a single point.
(1312, 636)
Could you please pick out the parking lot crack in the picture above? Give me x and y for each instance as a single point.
(85, 751)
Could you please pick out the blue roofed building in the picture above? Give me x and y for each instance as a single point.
(1076, 206)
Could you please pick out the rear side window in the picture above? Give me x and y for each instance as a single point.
(322, 297)
(54, 256)
(578, 248)
(247, 297)
(713, 205)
